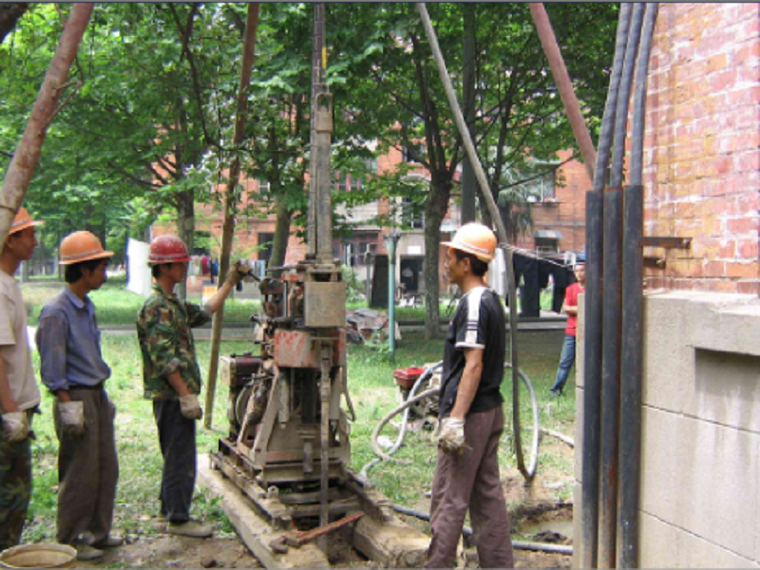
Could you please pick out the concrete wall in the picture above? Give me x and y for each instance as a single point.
(700, 490)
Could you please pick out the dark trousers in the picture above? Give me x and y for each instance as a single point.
(88, 470)
(177, 436)
(471, 480)
(15, 488)
(566, 361)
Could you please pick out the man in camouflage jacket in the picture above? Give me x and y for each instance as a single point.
(172, 378)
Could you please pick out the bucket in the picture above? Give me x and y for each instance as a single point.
(406, 377)
(39, 556)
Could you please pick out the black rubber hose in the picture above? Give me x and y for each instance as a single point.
(516, 544)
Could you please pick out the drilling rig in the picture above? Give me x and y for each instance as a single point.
(288, 434)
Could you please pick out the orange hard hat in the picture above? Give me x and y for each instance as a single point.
(22, 221)
(167, 249)
(82, 246)
(476, 239)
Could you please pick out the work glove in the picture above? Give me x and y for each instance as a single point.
(238, 272)
(190, 408)
(451, 435)
(15, 427)
(71, 416)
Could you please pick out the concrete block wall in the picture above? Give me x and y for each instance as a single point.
(700, 491)
(702, 146)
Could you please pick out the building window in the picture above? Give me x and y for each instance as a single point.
(264, 187)
(542, 188)
(358, 249)
(266, 241)
(547, 245)
(347, 183)
(412, 214)
(413, 153)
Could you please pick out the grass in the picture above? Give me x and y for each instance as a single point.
(116, 305)
(373, 393)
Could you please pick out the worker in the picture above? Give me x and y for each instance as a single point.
(72, 368)
(19, 394)
(171, 376)
(470, 411)
(570, 306)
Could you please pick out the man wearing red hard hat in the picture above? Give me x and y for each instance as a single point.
(470, 411)
(171, 376)
(19, 394)
(72, 367)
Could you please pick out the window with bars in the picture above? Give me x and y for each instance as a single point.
(357, 249)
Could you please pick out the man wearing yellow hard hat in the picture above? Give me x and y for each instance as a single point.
(72, 367)
(470, 411)
(19, 395)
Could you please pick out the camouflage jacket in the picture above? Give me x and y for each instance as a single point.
(166, 340)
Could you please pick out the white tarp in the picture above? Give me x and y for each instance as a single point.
(139, 272)
(497, 271)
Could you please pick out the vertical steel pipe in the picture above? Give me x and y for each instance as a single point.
(613, 217)
(611, 318)
(592, 364)
(632, 337)
(593, 310)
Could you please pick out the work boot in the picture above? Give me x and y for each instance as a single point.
(190, 528)
(87, 552)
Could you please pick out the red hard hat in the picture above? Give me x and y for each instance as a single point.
(167, 249)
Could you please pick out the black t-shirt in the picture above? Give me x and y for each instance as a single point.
(479, 322)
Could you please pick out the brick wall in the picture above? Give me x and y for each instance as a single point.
(701, 147)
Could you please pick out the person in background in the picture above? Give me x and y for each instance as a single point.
(19, 394)
(171, 376)
(72, 367)
(470, 412)
(567, 357)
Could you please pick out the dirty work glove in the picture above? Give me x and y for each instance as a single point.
(238, 272)
(190, 408)
(15, 427)
(451, 437)
(71, 415)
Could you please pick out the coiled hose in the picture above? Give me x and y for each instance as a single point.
(413, 399)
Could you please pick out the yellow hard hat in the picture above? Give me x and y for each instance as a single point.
(476, 239)
(82, 246)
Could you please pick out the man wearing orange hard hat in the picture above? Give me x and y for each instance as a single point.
(72, 367)
(19, 394)
(171, 376)
(470, 411)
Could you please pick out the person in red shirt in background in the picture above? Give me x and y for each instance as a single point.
(567, 358)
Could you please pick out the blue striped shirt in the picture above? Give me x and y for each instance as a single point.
(68, 340)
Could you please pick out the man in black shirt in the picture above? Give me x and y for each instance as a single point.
(471, 416)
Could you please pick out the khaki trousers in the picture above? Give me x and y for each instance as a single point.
(471, 480)
(88, 469)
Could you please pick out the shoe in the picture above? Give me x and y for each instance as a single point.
(556, 391)
(87, 552)
(190, 528)
(110, 542)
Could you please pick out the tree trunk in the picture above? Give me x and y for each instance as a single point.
(435, 209)
(186, 227)
(281, 233)
(9, 16)
(27, 155)
(468, 79)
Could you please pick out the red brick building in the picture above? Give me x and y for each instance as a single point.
(702, 155)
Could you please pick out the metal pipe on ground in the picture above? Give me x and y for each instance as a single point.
(516, 544)
(593, 311)
(612, 306)
(630, 410)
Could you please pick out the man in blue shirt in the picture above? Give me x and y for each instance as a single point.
(72, 367)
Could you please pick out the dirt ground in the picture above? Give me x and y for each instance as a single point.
(536, 512)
